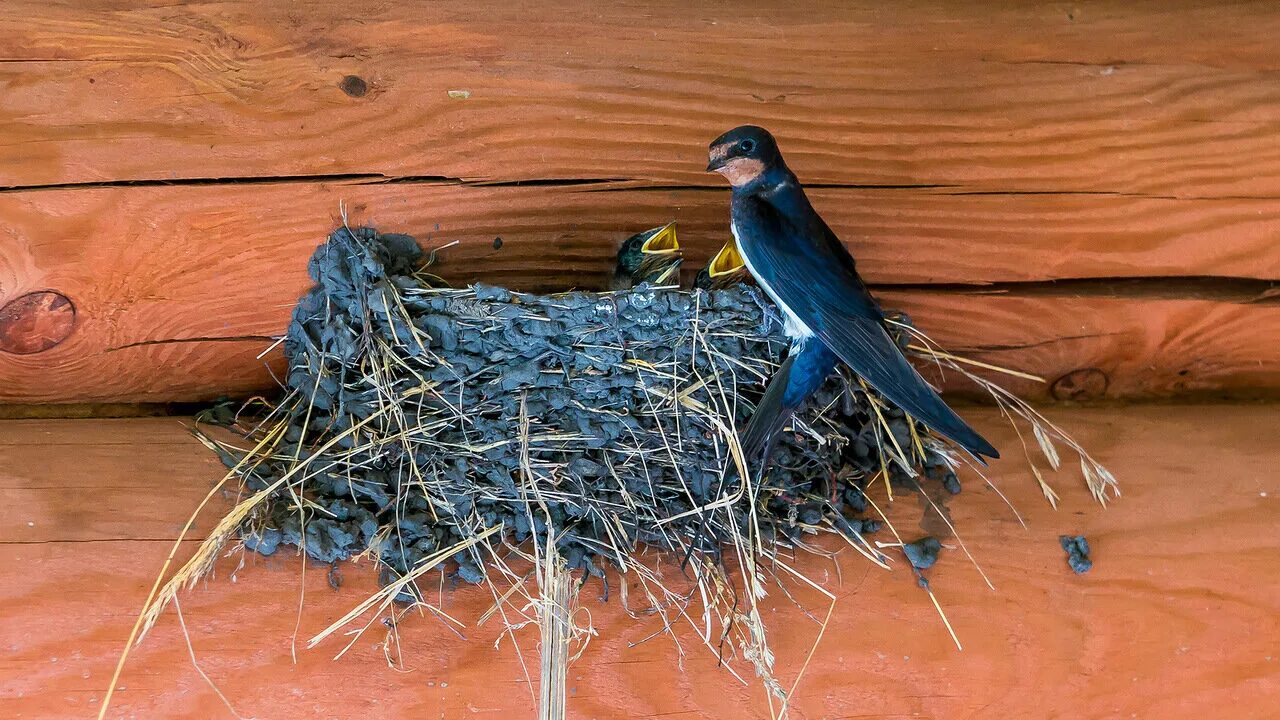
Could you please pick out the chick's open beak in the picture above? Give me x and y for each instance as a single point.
(726, 269)
(726, 262)
(661, 256)
(647, 257)
(662, 242)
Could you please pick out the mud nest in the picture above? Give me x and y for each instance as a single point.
(427, 415)
(487, 435)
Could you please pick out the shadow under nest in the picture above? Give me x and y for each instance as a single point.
(481, 432)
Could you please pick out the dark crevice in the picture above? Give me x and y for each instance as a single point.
(935, 188)
(352, 178)
(380, 179)
(170, 341)
(1107, 67)
(17, 61)
(604, 184)
(550, 182)
(179, 182)
(1191, 287)
(879, 186)
(94, 540)
(636, 185)
(1106, 193)
(1025, 346)
(446, 180)
(1084, 193)
(1081, 63)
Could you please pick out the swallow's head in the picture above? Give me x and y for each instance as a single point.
(743, 154)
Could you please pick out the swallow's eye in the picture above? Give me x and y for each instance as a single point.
(747, 145)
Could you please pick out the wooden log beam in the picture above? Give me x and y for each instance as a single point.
(949, 144)
(556, 237)
(1171, 99)
(176, 290)
(1176, 620)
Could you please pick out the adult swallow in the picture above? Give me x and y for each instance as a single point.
(828, 313)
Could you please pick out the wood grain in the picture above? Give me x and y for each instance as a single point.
(949, 143)
(178, 289)
(1143, 347)
(1160, 99)
(1176, 619)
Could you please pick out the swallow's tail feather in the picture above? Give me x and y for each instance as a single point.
(796, 378)
(943, 420)
(769, 415)
(868, 350)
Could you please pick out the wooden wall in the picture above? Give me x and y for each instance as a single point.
(1177, 620)
(1088, 190)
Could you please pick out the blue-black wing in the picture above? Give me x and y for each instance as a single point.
(810, 271)
(799, 376)
(770, 415)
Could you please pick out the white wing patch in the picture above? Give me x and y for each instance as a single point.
(792, 325)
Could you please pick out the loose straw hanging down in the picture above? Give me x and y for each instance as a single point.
(555, 621)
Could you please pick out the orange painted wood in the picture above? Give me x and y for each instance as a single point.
(1176, 620)
(1166, 99)
(177, 290)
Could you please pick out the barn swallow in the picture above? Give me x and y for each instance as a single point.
(724, 270)
(652, 256)
(829, 315)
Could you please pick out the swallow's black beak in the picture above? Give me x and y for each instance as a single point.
(718, 157)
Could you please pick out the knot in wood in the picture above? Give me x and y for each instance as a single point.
(354, 85)
(1083, 384)
(36, 322)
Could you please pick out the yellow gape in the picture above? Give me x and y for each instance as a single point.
(660, 253)
(727, 267)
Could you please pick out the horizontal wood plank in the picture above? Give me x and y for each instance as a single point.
(1127, 347)
(947, 144)
(1090, 348)
(1176, 619)
(1159, 99)
(177, 290)
(559, 237)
